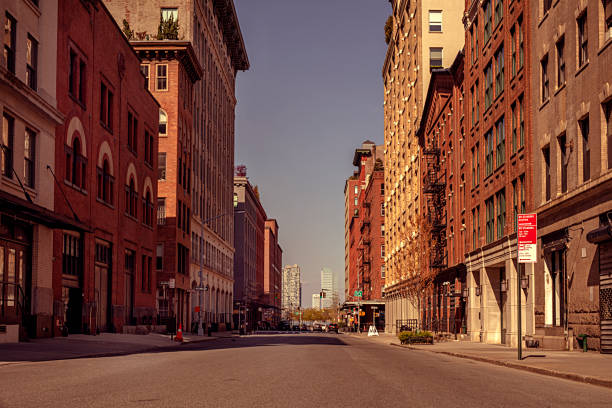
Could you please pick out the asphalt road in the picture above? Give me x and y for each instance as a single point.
(299, 370)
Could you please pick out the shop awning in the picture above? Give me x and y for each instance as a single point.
(601, 234)
(33, 213)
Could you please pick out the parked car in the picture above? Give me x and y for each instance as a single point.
(295, 328)
(283, 326)
(317, 327)
(332, 327)
(304, 328)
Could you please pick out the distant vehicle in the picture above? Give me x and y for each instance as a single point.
(304, 328)
(295, 328)
(317, 327)
(283, 326)
(332, 327)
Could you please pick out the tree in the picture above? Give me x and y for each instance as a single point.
(168, 29)
(388, 29)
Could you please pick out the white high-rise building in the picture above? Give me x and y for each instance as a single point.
(316, 301)
(328, 286)
(291, 290)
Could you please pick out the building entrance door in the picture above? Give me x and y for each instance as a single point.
(130, 262)
(14, 282)
(605, 296)
(503, 296)
(102, 285)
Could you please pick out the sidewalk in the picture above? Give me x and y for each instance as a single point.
(103, 345)
(591, 367)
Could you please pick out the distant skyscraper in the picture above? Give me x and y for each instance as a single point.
(316, 301)
(291, 289)
(328, 286)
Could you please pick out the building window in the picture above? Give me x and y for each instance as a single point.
(161, 166)
(473, 102)
(490, 225)
(72, 256)
(169, 14)
(608, 113)
(161, 211)
(382, 271)
(29, 157)
(547, 4)
(521, 122)
(8, 135)
(106, 183)
(608, 16)
(489, 153)
(132, 132)
(162, 77)
(382, 251)
(147, 209)
(499, 11)
(144, 68)
(473, 34)
(10, 40)
(356, 190)
(382, 189)
(382, 209)
(382, 230)
(477, 96)
(521, 43)
(148, 142)
(560, 63)
(515, 204)
(77, 73)
(474, 236)
(475, 165)
(106, 107)
(499, 72)
(513, 49)
(435, 21)
(435, 57)
(487, 11)
(76, 165)
(163, 123)
(523, 200)
(31, 62)
(583, 40)
(500, 148)
(547, 175)
(356, 201)
(488, 72)
(544, 81)
(501, 213)
(564, 161)
(131, 199)
(586, 150)
(159, 257)
(514, 128)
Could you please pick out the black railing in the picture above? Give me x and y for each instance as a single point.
(406, 325)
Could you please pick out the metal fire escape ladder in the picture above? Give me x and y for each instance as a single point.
(434, 189)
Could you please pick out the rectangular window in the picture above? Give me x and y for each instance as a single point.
(31, 62)
(515, 204)
(382, 210)
(162, 77)
(514, 129)
(521, 122)
(10, 39)
(29, 157)
(583, 40)
(499, 72)
(356, 190)
(501, 213)
(477, 95)
(523, 201)
(356, 201)
(159, 257)
(435, 57)
(560, 63)
(8, 135)
(144, 68)
(608, 113)
(132, 134)
(435, 21)
(521, 43)
(608, 16)
(473, 101)
(487, 11)
(382, 189)
(382, 251)
(489, 153)
(488, 72)
(473, 34)
(500, 148)
(382, 230)
(544, 81)
(474, 236)
(513, 49)
(161, 166)
(547, 175)
(106, 107)
(382, 271)
(564, 162)
(161, 211)
(586, 150)
(169, 14)
(474, 175)
(490, 224)
(499, 11)
(476, 49)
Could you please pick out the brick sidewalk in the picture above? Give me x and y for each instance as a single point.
(591, 367)
(82, 346)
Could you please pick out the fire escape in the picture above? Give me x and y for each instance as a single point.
(365, 251)
(434, 188)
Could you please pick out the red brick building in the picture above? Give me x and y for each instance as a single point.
(273, 272)
(365, 232)
(171, 71)
(498, 139)
(105, 165)
(443, 199)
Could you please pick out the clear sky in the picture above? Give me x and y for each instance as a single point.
(313, 94)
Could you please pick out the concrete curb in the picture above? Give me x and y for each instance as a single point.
(586, 379)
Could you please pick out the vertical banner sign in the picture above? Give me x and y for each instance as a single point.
(527, 238)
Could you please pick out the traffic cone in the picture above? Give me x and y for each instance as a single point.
(179, 334)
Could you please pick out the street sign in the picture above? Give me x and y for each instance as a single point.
(527, 238)
(358, 293)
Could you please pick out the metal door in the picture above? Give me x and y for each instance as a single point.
(605, 296)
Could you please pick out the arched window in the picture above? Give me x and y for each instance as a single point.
(106, 183)
(147, 210)
(131, 199)
(76, 164)
(163, 123)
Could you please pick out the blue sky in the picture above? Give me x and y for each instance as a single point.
(313, 94)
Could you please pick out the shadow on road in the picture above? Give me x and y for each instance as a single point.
(24, 352)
